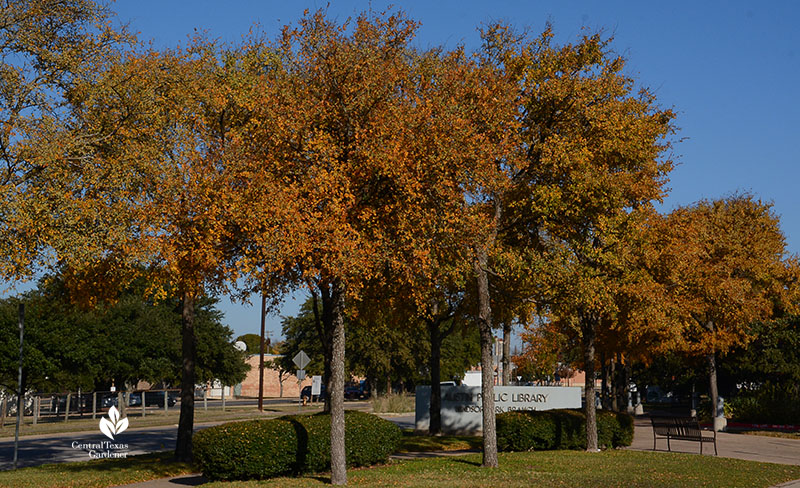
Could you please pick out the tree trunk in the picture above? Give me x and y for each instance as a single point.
(506, 354)
(713, 391)
(323, 322)
(336, 392)
(621, 385)
(369, 383)
(327, 376)
(183, 446)
(487, 366)
(614, 390)
(435, 424)
(261, 345)
(589, 332)
(605, 399)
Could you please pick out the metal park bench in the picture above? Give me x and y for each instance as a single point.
(682, 429)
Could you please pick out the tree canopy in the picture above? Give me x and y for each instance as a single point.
(423, 197)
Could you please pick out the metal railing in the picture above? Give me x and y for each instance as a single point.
(55, 407)
(65, 406)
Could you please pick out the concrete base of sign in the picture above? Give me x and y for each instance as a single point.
(461, 409)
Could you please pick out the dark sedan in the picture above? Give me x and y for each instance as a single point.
(306, 394)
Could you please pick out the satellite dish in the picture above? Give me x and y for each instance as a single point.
(240, 346)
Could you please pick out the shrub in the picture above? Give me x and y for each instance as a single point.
(368, 440)
(614, 429)
(560, 429)
(254, 449)
(772, 404)
(293, 444)
(704, 410)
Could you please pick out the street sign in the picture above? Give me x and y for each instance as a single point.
(301, 360)
(316, 384)
(301, 374)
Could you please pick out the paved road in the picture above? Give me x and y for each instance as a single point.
(405, 421)
(58, 448)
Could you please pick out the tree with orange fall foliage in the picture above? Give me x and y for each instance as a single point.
(152, 189)
(593, 155)
(727, 266)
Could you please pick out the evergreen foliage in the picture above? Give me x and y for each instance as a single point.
(294, 444)
(560, 429)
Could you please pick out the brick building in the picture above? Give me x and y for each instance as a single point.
(272, 381)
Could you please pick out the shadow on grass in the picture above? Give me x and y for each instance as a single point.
(413, 442)
(477, 464)
(191, 480)
(160, 465)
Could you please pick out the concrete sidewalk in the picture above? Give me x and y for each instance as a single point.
(739, 446)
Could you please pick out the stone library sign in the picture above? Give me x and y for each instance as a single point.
(462, 410)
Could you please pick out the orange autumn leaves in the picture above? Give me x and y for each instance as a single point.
(694, 279)
(338, 157)
(342, 151)
(726, 265)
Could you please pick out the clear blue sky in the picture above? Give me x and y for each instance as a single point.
(730, 69)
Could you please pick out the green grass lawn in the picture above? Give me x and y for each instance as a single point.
(609, 469)
(616, 468)
(423, 443)
(96, 474)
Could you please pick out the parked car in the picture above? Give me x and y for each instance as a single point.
(156, 398)
(76, 404)
(107, 400)
(356, 392)
(305, 394)
(152, 398)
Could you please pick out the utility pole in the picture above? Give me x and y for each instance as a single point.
(261, 355)
(20, 390)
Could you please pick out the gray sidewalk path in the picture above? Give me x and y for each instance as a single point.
(739, 446)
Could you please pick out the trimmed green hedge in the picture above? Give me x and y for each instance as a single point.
(261, 449)
(255, 449)
(560, 429)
